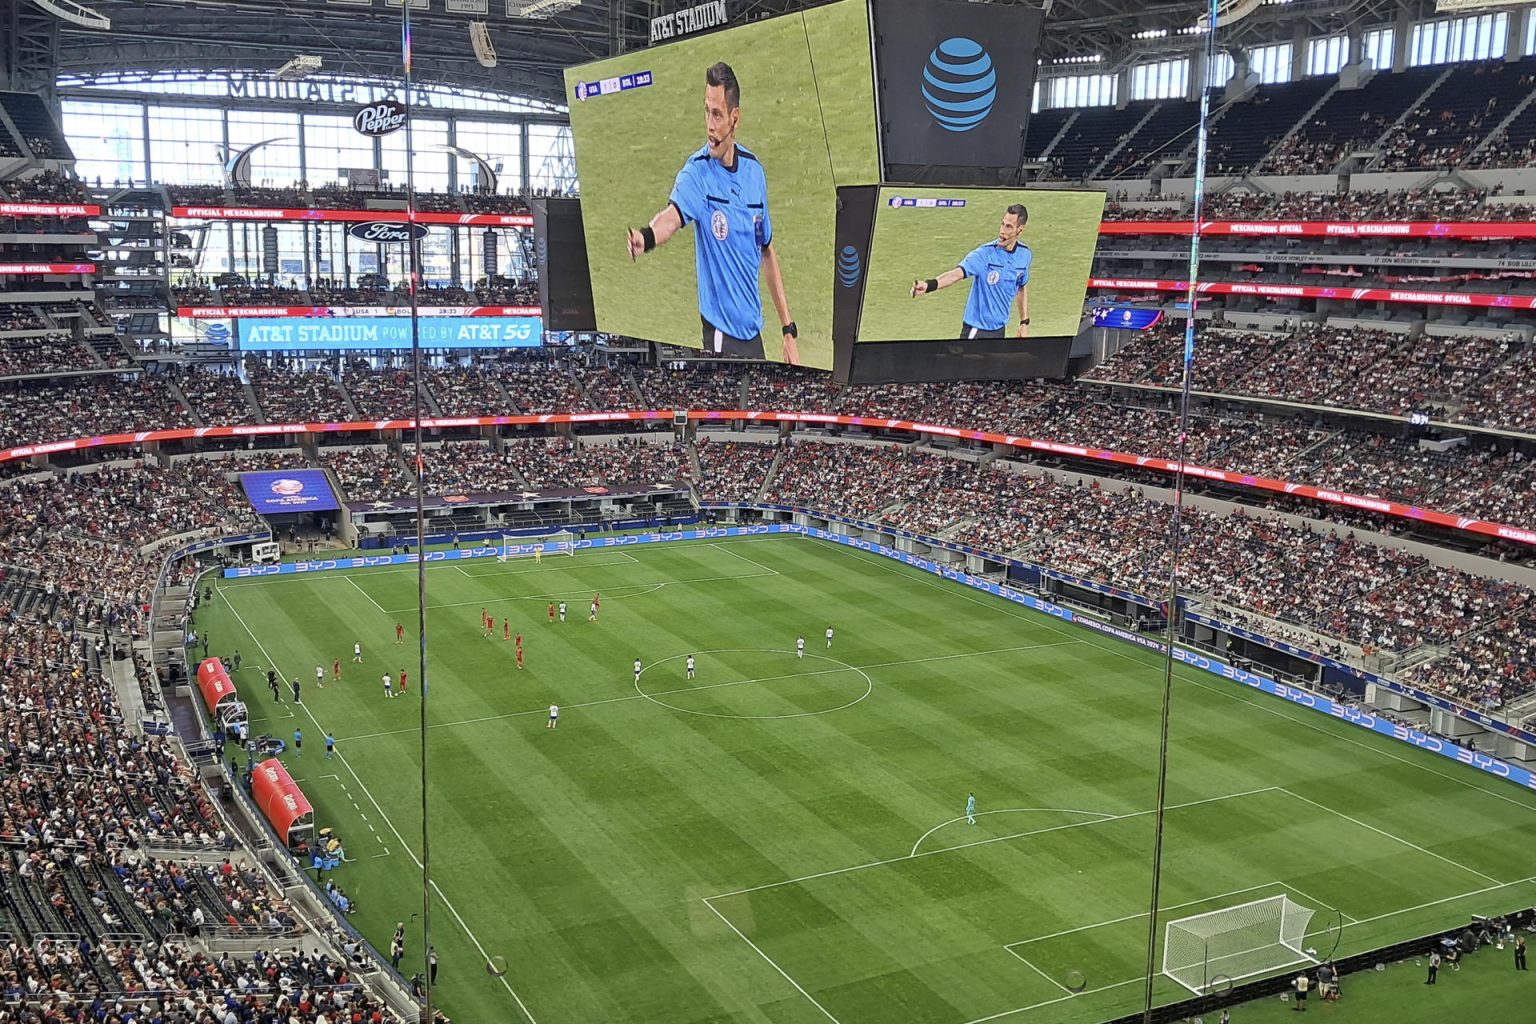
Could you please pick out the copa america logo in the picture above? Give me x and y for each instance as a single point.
(581, 92)
(849, 266)
(893, 201)
(959, 84)
(287, 488)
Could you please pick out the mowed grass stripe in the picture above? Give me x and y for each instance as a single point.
(563, 848)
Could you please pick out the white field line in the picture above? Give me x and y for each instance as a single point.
(1025, 961)
(365, 593)
(1389, 835)
(689, 689)
(371, 799)
(751, 561)
(769, 960)
(986, 842)
(1006, 810)
(1119, 651)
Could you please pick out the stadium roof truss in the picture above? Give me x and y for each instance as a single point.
(362, 37)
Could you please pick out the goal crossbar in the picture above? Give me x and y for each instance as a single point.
(1237, 942)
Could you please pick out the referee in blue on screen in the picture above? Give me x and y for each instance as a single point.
(999, 271)
(723, 189)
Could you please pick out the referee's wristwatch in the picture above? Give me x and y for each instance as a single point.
(790, 330)
(1025, 321)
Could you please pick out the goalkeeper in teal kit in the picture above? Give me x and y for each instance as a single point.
(723, 190)
(999, 273)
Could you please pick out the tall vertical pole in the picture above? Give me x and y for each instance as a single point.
(1176, 528)
(413, 263)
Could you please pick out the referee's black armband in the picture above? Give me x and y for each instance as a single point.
(649, 235)
(933, 284)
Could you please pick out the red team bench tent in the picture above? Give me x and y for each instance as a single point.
(281, 801)
(224, 705)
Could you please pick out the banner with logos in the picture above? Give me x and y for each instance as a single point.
(48, 210)
(394, 332)
(1479, 300)
(494, 220)
(258, 312)
(47, 268)
(1326, 228)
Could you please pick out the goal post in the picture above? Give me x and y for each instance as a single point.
(561, 542)
(1258, 937)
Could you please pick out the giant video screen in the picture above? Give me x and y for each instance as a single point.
(708, 173)
(974, 264)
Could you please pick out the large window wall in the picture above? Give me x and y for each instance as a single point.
(139, 139)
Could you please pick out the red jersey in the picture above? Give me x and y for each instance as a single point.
(506, 629)
(336, 668)
(402, 680)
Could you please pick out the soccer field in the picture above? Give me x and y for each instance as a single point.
(783, 840)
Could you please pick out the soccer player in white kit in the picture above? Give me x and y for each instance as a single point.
(357, 653)
(389, 690)
(799, 646)
(554, 716)
(320, 676)
(829, 637)
(690, 666)
(562, 611)
(638, 667)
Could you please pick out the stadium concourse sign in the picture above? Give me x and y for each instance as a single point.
(689, 20)
(1481, 527)
(1479, 300)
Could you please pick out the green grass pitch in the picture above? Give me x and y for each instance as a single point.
(807, 113)
(916, 243)
(781, 839)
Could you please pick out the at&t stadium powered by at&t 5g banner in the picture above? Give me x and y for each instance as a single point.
(710, 166)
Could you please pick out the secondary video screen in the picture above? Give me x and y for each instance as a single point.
(708, 173)
(954, 263)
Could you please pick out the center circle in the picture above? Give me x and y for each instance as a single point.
(842, 684)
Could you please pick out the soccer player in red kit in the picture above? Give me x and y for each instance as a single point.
(519, 652)
(399, 633)
(551, 612)
(402, 682)
(336, 670)
(506, 629)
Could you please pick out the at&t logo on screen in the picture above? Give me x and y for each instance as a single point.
(959, 84)
(849, 267)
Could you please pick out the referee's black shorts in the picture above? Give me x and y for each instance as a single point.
(717, 342)
(967, 332)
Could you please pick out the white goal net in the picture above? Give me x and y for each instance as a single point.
(1235, 943)
(561, 543)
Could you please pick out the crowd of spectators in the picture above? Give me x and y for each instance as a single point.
(387, 393)
(373, 473)
(43, 353)
(217, 398)
(557, 462)
(14, 319)
(732, 470)
(609, 390)
(44, 187)
(296, 395)
(469, 467)
(301, 196)
(467, 391)
(689, 387)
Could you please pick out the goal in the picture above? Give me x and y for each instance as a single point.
(1235, 943)
(562, 542)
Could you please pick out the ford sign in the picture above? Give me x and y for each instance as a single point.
(380, 118)
(386, 232)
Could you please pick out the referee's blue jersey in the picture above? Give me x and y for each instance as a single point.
(731, 208)
(996, 277)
